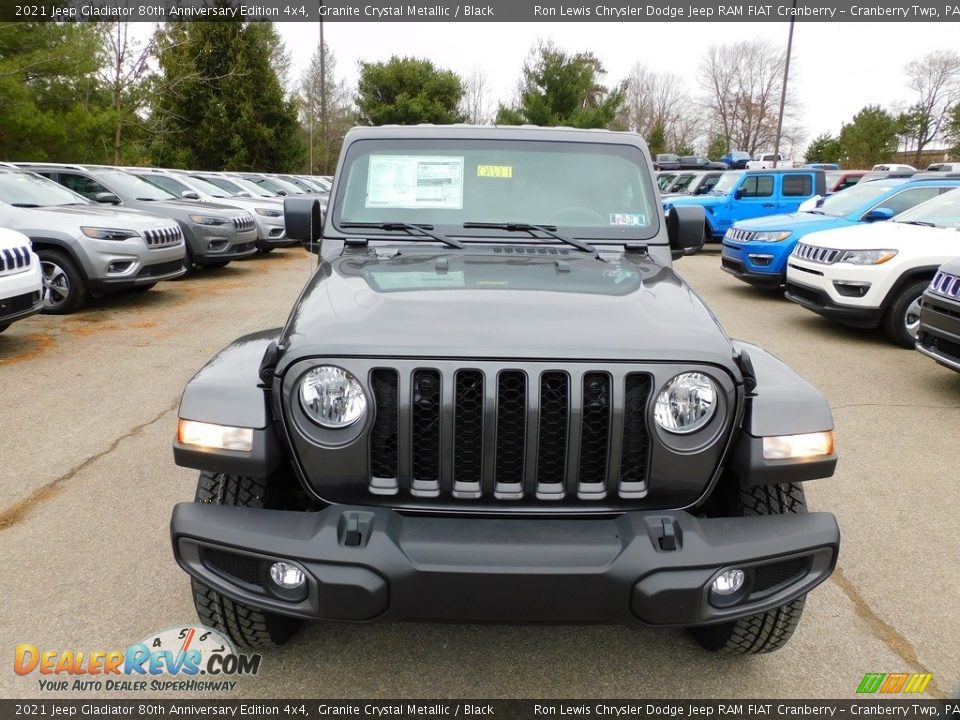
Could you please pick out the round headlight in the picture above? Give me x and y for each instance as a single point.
(686, 403)
(332, 397)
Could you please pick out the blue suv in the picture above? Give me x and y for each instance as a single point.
(756, 251)
(745, 194)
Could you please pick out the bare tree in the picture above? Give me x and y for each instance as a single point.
(741, 85)
(659, 100)
(476, 99)
(319, 92)
(935, 78)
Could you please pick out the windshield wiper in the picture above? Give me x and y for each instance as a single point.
(815, 212)
(422, 228)
(550, 230)
(922, 223)
(25, 205)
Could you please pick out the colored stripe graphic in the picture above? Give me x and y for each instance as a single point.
(894, 682)
(871, 682)
(918, 682)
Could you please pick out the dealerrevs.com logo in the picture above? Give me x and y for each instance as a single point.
(181, 659)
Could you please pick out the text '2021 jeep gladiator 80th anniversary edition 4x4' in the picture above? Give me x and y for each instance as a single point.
(496, 401)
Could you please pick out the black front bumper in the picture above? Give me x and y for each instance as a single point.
(740, 272)
(822, 304)
(365, 563)
(20, 306)
(939, 335)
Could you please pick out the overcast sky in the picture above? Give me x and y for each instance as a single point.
(837, 67)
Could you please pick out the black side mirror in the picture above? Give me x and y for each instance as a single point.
(303, 217)
(685, 229)
(738, 194)
(107, 198)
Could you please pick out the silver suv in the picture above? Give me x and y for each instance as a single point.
(87, 249)
(267, 213)
(214, 234)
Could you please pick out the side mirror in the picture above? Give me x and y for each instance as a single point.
(244, 193)
(304, 220)
(738, 194)
(877, 214)
(190, 195)
(685, 229)
(107, 198)
(282, 193)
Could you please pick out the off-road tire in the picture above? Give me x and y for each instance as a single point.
(770, 630)
(246, 626)
(76, 284)
(4, 326)
(894, 321)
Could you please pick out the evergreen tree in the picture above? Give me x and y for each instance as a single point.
(407, 91)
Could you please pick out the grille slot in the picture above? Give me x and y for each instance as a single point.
(490, 433)
(553, 431)
(511, 432)
(383, 434)
(425, 433)
(468, 433)
(15, 260)
(243, 223)
(815, 254)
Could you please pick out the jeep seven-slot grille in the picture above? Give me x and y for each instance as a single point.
(815, 254)
(510, 434)
(945, 284)
(14, 260)
(243, 223)
(163, 237)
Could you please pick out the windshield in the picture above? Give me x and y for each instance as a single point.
(321, 183)
(248, 185)
(125, 184)
(727, 182)
(26, 189)
(942, 211)
(853, 199)
(276, 184)
(664, 181)
(584, 189)
(207, 188)
(832, 178)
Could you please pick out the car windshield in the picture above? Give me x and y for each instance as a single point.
(275, 183)
(942, 211)
(250, 186)
(584, 189)
(224, 185)
(664, 181)
(28, 190)
(853, 199)
(727, 182)
(832, 178)
(130, 186)
(208, 188)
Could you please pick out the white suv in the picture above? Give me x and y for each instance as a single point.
(874, 274)
(21, 283)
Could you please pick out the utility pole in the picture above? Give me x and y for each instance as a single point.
(783, 88)
(323, 95)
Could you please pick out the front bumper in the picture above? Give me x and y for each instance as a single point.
(21, 294)
(820, 301)
(216, 243)
(364, 563)
(939, 335)
(739, 270)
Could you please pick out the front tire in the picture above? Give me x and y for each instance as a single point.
(247, 626)
(771, 630)
(902, 321)
(64, 288)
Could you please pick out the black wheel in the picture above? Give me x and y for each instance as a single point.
(4, 326)
(902, 321)
(142, 288)
(770, 630)
(247, 626)
(64, 288)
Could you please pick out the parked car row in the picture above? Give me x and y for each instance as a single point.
(69, 231)
(881, 254)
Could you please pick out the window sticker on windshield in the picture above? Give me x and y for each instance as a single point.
(495, 171)
(417, 280)
(627, 219)
(410, 181)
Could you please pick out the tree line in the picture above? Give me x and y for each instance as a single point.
(219, 96)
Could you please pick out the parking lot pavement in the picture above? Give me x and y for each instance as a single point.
(88, 405)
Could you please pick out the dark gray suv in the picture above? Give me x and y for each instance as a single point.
(214, 234)
(496, 401)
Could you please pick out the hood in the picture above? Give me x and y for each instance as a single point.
(952, 267)
(37, 219)
(701, 200)
(242, 203)
(491, 304)
(10, 239)
(180, 207)
(792, 221)
(880, 235)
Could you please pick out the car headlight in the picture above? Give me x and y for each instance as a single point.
(686, 403)
(772, 236)
(866, 257)
(796, 447)
(267, 212)
(208, 220)
(332, 397)
(99, 233)
(215, 437)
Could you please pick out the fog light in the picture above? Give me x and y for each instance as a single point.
(287, 576)
(728, 582)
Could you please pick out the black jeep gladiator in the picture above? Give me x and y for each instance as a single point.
(496, 401)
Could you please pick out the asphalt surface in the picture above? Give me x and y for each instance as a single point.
(87, 478)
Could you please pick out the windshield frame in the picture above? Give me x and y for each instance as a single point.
(368, 147)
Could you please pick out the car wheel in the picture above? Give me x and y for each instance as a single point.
(902, 321)
(4, 326)
(64, 289)
(247, 626)
(771, 630)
